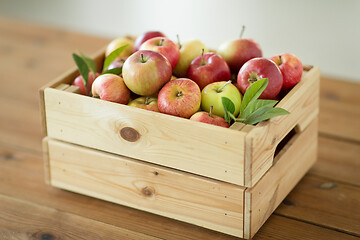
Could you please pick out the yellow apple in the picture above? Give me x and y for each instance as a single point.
(188, 51)
(119, 42)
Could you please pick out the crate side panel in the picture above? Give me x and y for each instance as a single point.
(175, 194)
(303, 104)
(182, 144)
(295, 160)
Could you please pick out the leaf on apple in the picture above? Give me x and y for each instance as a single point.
(89, 62)
(116, 71)
(252, 109)
(112, 56)
(83, 68)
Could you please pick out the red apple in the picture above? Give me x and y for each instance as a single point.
(209, 118)
(145, 36)
(290, 67)
(180, 97)
(111, 87)
(79, 82)
(145, 72)
(164, 46)
(259, 68)
(147, 103)
(208, 68)
(237, 52)
(117, 63)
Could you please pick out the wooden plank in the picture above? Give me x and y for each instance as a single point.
(326, 203)
(170, 141)
(303, 104)
(31, 56)
(24, 220)
(22, 177)
(338, 161)
(340, 109)
(182, 196)
(280, 228)
(295, 160)
(47, 174)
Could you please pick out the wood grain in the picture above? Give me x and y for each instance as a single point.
(175, 194)
(340, 109)
(195, 147)
(326, 203)
(338, 161)
(294, 161)
(303, 104)
(23, 220)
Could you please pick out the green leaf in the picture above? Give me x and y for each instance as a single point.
(265, 113)
(253, 92)
(89, 62)
(83, 68)
(116, 71)
(256, 104)
(229, 107)
(112, 56)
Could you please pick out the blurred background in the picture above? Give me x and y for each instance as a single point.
(325, 33)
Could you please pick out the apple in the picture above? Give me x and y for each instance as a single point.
(111, 87)
(146, 36)
(188, 51)
(145, 72)
(147, 103)
(290, 67)
(259, 68)
(119, 42)
(117, 63)
(180, 97)
(209, 118)
(211, 96)
(165, 46)
(208, 68)
(237, 52)
(79, 82)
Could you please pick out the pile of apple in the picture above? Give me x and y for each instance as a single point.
(187, 80)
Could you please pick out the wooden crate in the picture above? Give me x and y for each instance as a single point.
(227, 180)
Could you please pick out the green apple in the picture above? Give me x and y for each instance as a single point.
(119, 42)
(211, 96)
(188, 51)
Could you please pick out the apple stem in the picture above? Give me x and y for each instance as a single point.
(142, 58)
(280, 60)
(202, 58)
(161, 42)
(222, 87)
(178, 39)
(179, 94)
(242, 31)
(211, 110)
(147, 100)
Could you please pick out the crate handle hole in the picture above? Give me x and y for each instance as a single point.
(285, 143)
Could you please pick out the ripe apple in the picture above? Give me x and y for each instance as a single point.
(238, 51)
(146, 36)
(211, 96)
(259, 68)
(145, 72)
(180, 97)
(147, 103)
(79, 82)
(290, 67)
(111, 87)
(188, 51)
(208, 68)
(165, 46)
(117, 63)
(119, 42)
(209, 118)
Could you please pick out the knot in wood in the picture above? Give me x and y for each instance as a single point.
(148, 191)
(129, 134)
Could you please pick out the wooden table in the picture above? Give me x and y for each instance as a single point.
(324, 205)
